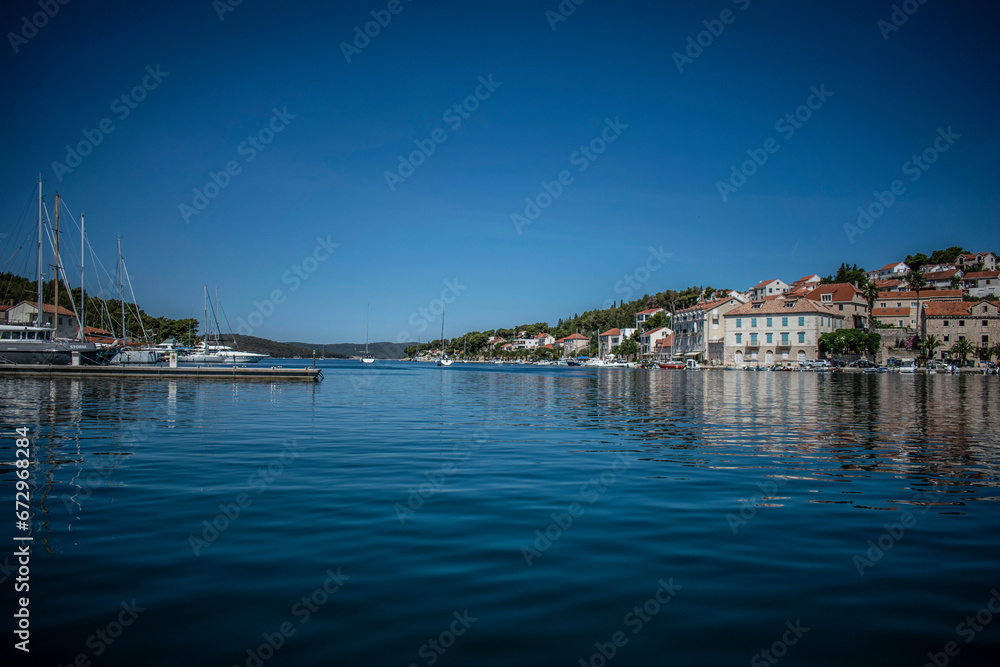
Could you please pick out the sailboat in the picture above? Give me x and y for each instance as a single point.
(367, 357)
(444, 360)
(211, 350)
(38, 343)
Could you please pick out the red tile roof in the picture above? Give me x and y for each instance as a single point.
(891, 265)
(611, 332)
(649, 312)
(929, 295)
(976, 275)
(764, 283)
(777, 306)
(940, 275)
(841, 292)
(653, 331)
(890, 312)
(575, 336)
(955, 308)
(48, 308)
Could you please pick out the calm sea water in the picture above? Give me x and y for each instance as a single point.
(403, 514)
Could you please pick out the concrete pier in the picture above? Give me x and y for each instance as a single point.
(267, 373)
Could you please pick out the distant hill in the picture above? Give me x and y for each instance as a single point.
(275, 349)
(380, 350)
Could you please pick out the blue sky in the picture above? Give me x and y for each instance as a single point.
(327, 131)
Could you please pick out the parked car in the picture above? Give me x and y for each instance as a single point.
(837, 363)
(861, 363)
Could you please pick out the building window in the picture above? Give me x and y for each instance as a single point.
(753, 322)
(802, 321)
(769, 322)
(841, 306)
(802, 336)
(784, 339)
(961, 323)
(784, 321)
(769, 338)
(986, 339)
(753, 339)
(946, 338)
(739, 322)
(739, 339)
(945, 323)
(985, 323)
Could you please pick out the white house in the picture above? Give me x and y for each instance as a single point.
(24, 313)
(982, 284)
(979, 261)
(767, 288)
(611, 338)
(649, 340)
(777, 331)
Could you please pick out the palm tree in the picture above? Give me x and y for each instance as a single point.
(930, 345)
(963, 348)
(870, 292)
(916, 280)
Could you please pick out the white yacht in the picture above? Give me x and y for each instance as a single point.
(215, 353)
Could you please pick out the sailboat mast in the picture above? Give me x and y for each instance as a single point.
(367, 318)
(83, 239)
(38, 310)
(55, 284)
(206, 320)
(121, 286)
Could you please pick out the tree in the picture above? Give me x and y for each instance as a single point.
(846, 274)
(946, 256)
(962, 349)
(930, 345)
(628, 348)
(654, 322)
(914, 262)
(917, 282)
(870, 293)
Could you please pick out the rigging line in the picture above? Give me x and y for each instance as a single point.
(228, 324)
(138, 314)
(50, 234)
